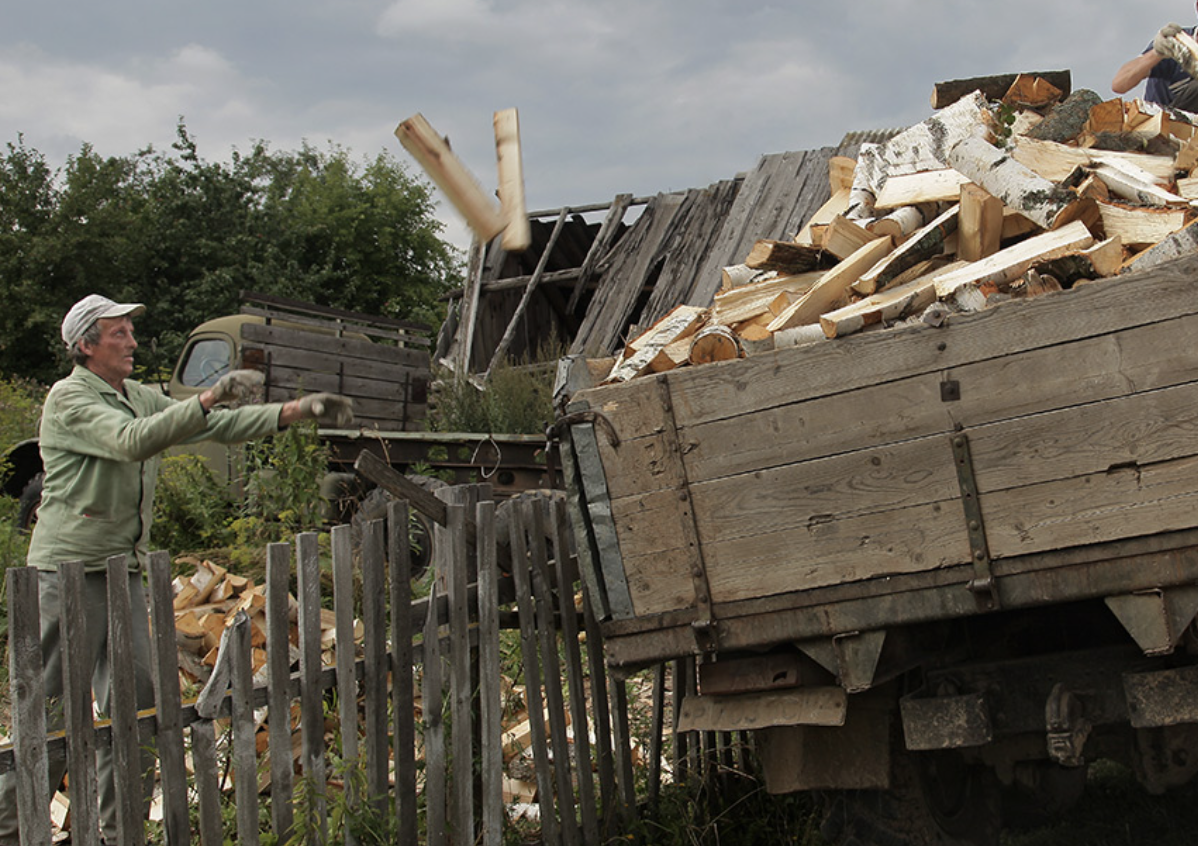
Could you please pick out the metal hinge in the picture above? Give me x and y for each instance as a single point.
(982, 584)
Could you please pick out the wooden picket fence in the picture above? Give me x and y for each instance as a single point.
(438, 773)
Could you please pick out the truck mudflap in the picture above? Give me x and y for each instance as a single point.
(803, 706)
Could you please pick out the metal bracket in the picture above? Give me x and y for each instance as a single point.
(982, 584)
(1067, 726)
(704, 627)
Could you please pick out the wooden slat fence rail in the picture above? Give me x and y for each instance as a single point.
(402, 736)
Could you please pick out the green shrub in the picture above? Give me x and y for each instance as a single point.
(192, 507)
(516, 399)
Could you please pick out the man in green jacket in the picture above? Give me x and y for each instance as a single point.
(101, 438)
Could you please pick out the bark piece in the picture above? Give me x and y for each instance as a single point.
(1067, 118)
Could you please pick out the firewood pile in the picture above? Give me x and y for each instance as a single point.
(1012, 188)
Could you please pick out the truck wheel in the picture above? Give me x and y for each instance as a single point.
(942, 802)
(1042, 792)
(31, 498)
(374, 507)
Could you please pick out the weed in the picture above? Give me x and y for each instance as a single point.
(192, 508)
(516, 399)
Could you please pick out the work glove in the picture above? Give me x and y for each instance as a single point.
(1166, 44)
(331, 410)
(236, 385)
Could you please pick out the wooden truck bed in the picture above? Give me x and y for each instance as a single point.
(1040, 451)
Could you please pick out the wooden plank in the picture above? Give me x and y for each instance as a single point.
(176, 821)
(832, 286)
(490, 721)
(29, 710)
(625, 797)
(312, 758)
(278, 668)
(533, 677)
(533, 519)
(322, 348)
(126, 747)
(399, 555)
(244, 754)
(432, 152)
(517, 234)
(611, 227)
(910, 189)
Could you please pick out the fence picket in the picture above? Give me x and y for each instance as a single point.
(77, 706)
(532, 681)
(311, 699)
(32, 769)
(347, 682)
(278, 668)
(604, 759)
(460, 664)
(168, 703)
(374, 653)
(245, 769)
(403, 693)
(203, 762)
(126, 751)
(490, 689)
(434, 727)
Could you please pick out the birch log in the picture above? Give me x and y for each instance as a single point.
(904, 220)
(925, 243)
(1017, 186)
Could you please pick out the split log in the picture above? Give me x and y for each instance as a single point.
(904, 220)
(993, 87)
(832, 286)
(1106, 116)
(1067, 118)
(714, 343)
(929, 186)
(842, 238)
(1029, 91)
(1033, 284)
(837, 204)
(1187, 156)
(981, 223)
(892, 304)
(783, 256)
(1056, 162)
(1097, 262)
(517, 232)
(445, 169)
(1015, 225)
(1187, 187)
(681, 322)
(1017, 186)
(745, 303)
(1012, 262)
(840, 173)
(738, 275)
(1140, 225)
(925, 243)
(1184, 242)
(1135, 184)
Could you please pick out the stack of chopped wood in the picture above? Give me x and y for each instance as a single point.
(1002, 193)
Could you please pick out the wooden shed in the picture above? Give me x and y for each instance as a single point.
(596, 272)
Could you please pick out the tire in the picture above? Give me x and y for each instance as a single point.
(374, 507)
(31, 499)
(936, 799)
(1043, 792)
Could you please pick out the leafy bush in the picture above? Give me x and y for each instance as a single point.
(192, 507)
(20, 409)
(517, 399)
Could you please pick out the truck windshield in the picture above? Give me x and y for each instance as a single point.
(205, 361)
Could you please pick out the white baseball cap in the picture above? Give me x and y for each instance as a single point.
(90, 309)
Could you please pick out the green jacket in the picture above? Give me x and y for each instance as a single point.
(101, 452)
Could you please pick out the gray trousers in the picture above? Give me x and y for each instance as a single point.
(95, 601)
(1185, 95)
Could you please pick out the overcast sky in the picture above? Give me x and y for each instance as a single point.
(614, 96)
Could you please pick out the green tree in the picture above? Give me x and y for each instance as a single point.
(186, 236)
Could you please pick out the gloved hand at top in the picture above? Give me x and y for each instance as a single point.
(1166, 45)
(331, 410)
(236, 385)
